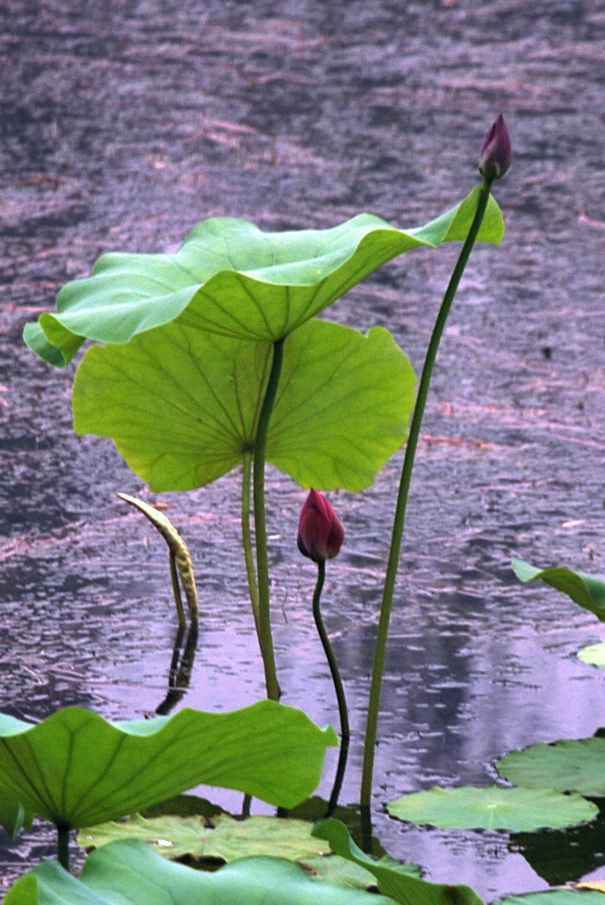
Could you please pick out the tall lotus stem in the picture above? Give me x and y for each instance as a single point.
(247, 539)
(402, 498)
(260, 524)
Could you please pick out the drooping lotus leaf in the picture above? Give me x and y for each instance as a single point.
(231, 278)
(594, 654)
(569, 765)
(392, 878)
(182, 405)
(493, 808)
(588, 592)
(76, 769)
(130, 873)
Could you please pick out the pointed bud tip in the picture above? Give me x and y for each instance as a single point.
(496, 151)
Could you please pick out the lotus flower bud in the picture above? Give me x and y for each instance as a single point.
(320, 534)
(496, 151)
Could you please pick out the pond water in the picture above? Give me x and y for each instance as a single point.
(124, 124)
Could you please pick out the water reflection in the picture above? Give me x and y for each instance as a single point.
(181, 666)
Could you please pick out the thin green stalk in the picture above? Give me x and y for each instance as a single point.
(260, 524)
(247, 539)
(63, 846)
(345, 732)
(402, 499)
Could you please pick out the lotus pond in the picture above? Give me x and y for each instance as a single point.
(108, 147)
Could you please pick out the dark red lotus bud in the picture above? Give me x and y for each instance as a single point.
(320, 534)
(496, 151)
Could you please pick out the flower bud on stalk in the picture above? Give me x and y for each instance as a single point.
(320, 537)
(320, 534)
(496, 151)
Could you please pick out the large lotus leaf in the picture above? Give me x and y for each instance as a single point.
(76, 769)
(493, 808)
(570, 765)
(588, 592)
(231, 278)
(393, 878)
(182, 405)
(130, 873)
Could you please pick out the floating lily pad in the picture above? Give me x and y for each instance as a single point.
(586, 591)
(182, 406)
(225, 839)
(492, 808)
(568, 765)
(564, 896)
(76, 769)
(231, 278)
(594, 654)
(394, 879)
(562, 856)
(130, 872)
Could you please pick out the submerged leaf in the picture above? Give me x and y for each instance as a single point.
(130, 872)
(76, 769)
(588, 592)
(393, 878)
(567, 765)
(493, 808)
(231, 278)
(182, 406)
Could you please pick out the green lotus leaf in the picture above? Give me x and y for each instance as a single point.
(593, 654)
(569, 765)
(130, 873)
(231, 278)
(564, 896)
(588, 592)
(182, 405)
(393, 878)
(76, 769)
(493, 808)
